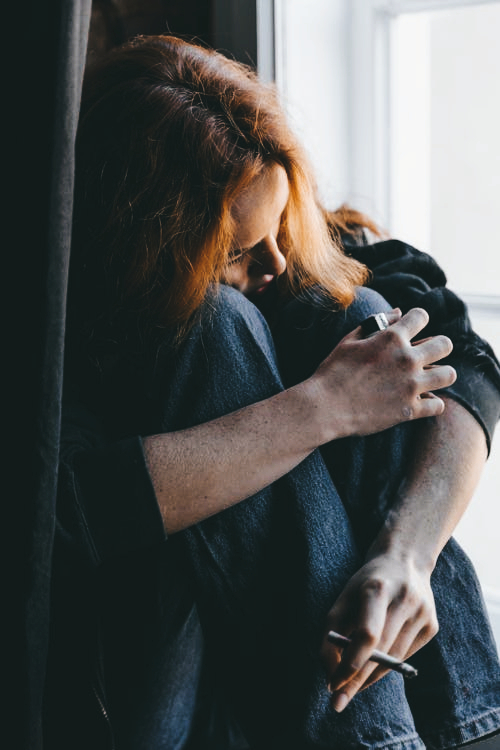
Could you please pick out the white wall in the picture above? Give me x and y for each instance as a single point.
(465, 157)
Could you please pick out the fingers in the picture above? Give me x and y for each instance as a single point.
(408, 642)
(413, 322)
(431, 378)
(398, 641)
(371, 672)
(392, 317)
(426, 405)
(435, 377)
(385, 608)
(373, 607)
(422, 355)
(430, 349)
(433, 349)
(401, 331)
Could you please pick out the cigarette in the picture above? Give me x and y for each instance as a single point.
(378, 656)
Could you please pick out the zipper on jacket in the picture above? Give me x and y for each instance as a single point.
(105, 716)
(100, 692)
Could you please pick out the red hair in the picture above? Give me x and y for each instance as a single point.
(347, 221)
(169, 134)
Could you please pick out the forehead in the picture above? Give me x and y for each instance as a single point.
(257, 210)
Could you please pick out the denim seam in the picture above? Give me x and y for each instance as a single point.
(462, 732)
(410, 742)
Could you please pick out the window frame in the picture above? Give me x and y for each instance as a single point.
(370, 114)
(370, 111)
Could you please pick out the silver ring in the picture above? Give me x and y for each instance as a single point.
(374, 323)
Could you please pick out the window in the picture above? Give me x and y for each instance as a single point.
(399, 105)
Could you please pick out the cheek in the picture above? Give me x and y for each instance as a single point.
(234, 275)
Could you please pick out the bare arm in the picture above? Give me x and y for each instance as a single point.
(397, 612)
(451, 457)
(202, 470)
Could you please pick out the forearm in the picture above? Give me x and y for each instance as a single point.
(202, 470)
(438, 487)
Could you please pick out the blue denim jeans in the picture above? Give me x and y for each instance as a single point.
(226, 649)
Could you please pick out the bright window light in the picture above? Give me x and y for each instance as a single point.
(445, 140)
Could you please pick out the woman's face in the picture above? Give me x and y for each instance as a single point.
(256, 259)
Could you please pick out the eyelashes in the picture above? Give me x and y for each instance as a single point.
(236, 255)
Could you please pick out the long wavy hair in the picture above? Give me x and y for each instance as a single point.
(169, 134)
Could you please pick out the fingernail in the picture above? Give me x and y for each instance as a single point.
(340, 702)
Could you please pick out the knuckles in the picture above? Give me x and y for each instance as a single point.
(393, 337)
(374, 587)
(405, 595)
(432, 627)
(412, 387)
(367, 636)
(405, 358)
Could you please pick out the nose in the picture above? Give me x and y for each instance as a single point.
(272, 259)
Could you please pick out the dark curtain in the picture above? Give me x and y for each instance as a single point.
(44, 43)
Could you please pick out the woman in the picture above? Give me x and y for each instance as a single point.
(194, 205)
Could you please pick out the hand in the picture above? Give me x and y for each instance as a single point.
(373, 383)
(387, 605)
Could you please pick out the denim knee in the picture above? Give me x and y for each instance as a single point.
(307, 329)
(226, 362)
(367, 302)
(227, 315)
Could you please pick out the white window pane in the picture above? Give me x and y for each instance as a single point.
(446, 140)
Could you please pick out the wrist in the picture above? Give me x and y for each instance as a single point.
(324, 411)
(403, 546)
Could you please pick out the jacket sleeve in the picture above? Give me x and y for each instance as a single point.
(106, 502)
(409, 278)
(106, 512)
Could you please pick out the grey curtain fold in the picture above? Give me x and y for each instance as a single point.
(46, 44)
